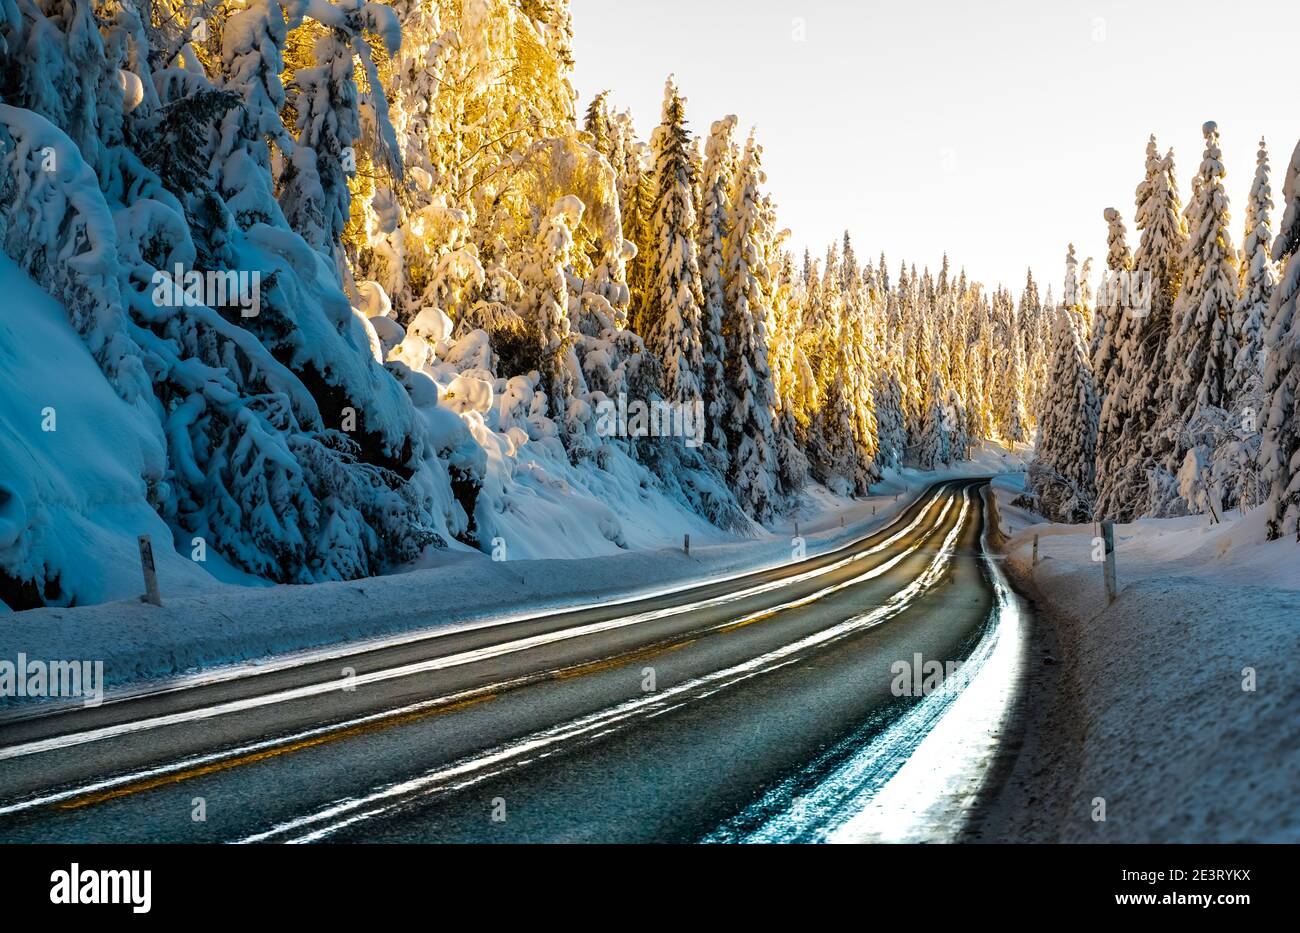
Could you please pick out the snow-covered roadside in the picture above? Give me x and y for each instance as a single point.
(1151, 709)
(231, 624)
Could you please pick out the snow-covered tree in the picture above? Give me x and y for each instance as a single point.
(1111, 303)
(751, 441)
(546, 303)
(932, 444)
(1117, 352)
(1062, 475)
(671, 316)
(1130, 463)
(1258, 279)
(1200, 345)
(1280, 454)
(715, 227)
(792, 379)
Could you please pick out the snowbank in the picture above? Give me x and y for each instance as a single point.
(1176, 704)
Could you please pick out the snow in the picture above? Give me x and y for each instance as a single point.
(73, 498)
(1153, 684)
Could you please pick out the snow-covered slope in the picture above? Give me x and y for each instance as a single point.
(1178, 701)
(73, 498)
(72, 460)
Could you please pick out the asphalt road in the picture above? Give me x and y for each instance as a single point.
(666, 719)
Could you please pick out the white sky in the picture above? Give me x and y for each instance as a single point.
(997, 130)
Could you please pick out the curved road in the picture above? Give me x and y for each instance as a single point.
(710, 713)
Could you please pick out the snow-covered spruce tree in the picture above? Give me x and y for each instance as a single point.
(1224, 468)
(671, 316)
(1112, 321)
(546, 305)
(1091, 331)
(597, 125)
(1158, 264)
(931, 447)
(791, 378)
(890, 426)
(832, 456)
(1036, 323)
(1258, 279)
(887, 388)
(715, 226)
(1200, 345)
(414, 239)
(1078, 296)
(1062, 474)
(1008, 396)
(1116, 352)
(914, 320)
(252, 59)
(749, 426)
(1280, 453)
(1015, 426)
(857, 366)
(817, 338)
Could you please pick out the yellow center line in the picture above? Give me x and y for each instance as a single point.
(215, 767)
(592, 667)
(228, 764)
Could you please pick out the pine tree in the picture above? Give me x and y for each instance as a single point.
(1116, 353)
(1198, 351)
(932, 441)
(856, 366)
(1258, 279)
(715, 226)
(1280, 454)
(752, 443)
(671, 315)
(1157, 264)
(546, 303)
(596, 124)
(1062, 475)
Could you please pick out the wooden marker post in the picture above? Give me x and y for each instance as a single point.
(151, 594)
(1108, 537)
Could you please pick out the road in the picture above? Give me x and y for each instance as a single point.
(710, 713)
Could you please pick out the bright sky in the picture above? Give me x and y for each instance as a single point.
(996, 130)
